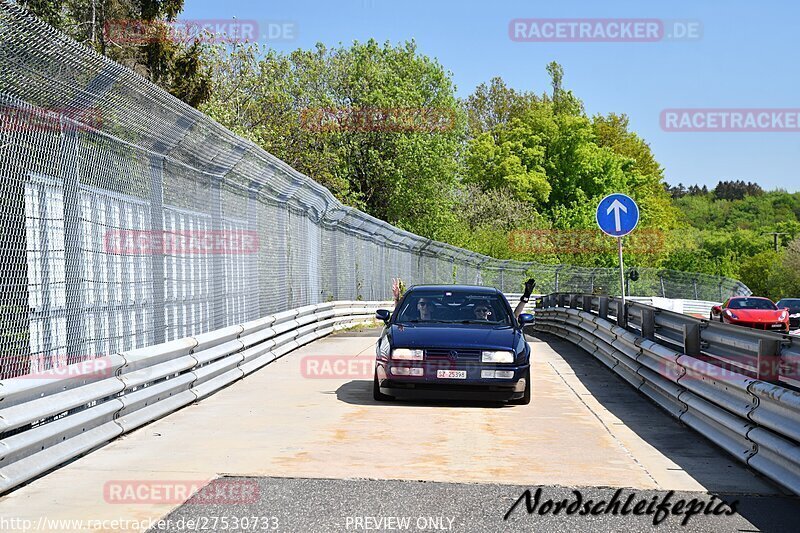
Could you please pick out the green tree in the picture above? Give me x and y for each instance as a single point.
(108, 26)
(550, 155)
(379, 125)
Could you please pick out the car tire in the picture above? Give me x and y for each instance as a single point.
(377, 395)
(526, 397)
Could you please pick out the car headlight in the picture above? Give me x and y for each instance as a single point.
(384, 347)
(783, 316)
(732, 314)
(497, 357)
(404, 354)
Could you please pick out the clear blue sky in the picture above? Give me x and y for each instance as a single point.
(747, 58)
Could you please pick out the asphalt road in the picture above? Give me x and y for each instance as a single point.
(323, 505)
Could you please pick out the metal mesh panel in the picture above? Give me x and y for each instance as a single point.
(131, 219)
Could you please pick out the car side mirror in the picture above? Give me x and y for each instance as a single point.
(383, 314)
(526, 319)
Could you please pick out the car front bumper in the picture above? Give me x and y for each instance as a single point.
(779, 327)
(473, 387)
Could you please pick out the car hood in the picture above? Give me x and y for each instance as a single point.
(757, 315)
(465, 336)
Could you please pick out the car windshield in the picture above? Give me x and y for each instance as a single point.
(456, 307)
(751, 303)
(791, 303)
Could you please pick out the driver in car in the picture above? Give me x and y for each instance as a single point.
(424, 308)
(482, 312)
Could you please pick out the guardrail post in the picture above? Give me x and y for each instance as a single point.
(563, 300)
(573, 301)
(603, 307)
(769, 357)
(649, 323)
(622, 314)
(692, 340)
(587, 303)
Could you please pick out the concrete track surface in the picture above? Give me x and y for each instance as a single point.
(311, 451)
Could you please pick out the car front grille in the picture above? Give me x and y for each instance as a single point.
(443, 354)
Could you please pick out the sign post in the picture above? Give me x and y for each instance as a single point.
(617, 216)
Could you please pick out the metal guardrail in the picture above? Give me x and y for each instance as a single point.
(729, 383)
(50, 418)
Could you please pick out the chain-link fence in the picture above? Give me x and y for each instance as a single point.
(130, 219)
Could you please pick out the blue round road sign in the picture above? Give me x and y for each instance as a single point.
(617, 215)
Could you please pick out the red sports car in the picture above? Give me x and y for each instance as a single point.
(751, 312)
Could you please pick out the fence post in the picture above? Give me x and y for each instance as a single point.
(218, 318)
(603, 311)
(73, 269)
(769, 357)
(573, 301)
(157, 252)
(254, 256)
(692, 340)
(587, 303)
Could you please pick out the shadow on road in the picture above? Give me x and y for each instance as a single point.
(359, 392)
(693, 453)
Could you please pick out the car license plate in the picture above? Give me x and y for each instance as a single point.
(451, 374)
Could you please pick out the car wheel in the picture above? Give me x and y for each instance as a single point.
(377, 395)
(526, 397)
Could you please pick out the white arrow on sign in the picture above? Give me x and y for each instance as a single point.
(617, 206)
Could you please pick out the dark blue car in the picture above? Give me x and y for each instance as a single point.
(453, 342)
